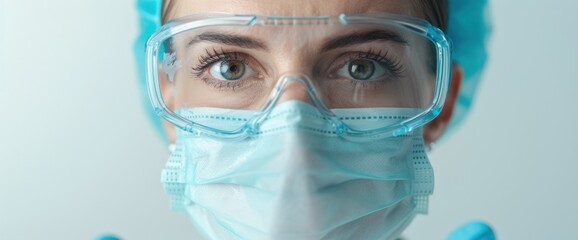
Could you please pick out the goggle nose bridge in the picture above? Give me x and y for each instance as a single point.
(254, 123)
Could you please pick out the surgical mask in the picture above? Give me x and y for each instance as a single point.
(296, 178)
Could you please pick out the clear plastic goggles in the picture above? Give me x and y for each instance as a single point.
(253, 63)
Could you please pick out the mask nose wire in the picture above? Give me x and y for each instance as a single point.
(313, 94)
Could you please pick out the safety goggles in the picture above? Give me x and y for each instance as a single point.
(254, 63)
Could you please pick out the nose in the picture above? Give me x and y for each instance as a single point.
(296, 88)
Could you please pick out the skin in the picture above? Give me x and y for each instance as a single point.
(432, 131)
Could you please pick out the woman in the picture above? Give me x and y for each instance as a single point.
(304, 119)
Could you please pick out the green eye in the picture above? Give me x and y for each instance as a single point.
(229, 70)
(361, 69)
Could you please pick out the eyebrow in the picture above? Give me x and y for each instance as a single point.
(228, 39)
(363, 37)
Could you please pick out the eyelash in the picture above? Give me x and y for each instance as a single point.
(214, 56)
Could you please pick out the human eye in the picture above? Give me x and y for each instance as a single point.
(369, 66)
(226, 69)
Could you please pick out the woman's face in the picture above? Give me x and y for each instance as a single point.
(292, 181)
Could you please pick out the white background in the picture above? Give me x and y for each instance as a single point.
(78, 157)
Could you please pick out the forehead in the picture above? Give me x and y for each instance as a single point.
(291, 8)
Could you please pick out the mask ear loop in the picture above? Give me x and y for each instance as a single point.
(172, 147)
(430, 147)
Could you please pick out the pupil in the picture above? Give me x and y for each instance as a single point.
(233, 68)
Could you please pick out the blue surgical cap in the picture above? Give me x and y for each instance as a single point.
(468, 28)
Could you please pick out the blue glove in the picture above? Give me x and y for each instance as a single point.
(107, 237)
(474, 230)
(469, 231)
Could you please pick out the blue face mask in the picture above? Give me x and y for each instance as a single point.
(296, 179)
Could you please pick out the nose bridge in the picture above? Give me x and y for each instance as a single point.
(294, 79)
(297, 87)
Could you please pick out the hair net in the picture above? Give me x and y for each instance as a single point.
(468, 28)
